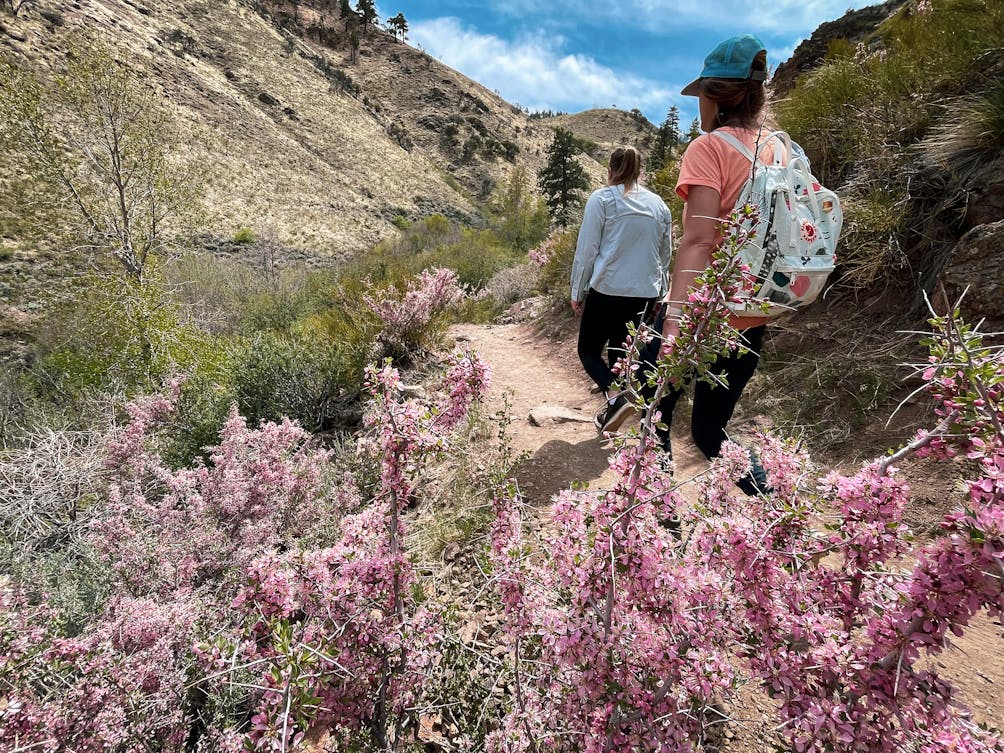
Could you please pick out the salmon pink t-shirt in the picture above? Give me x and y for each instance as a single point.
(713, 162)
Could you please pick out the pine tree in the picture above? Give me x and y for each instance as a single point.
(366, 9)
(345, 13)
(562, 180)
(667, 138)
(695, 130)
(398, 26)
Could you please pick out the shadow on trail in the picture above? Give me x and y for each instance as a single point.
(557, 465)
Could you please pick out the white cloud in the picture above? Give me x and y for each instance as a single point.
(535, 71)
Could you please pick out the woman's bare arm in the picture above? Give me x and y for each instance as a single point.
(700, 233)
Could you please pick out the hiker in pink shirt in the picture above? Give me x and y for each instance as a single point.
(712, 173)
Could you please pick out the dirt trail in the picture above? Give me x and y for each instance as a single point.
(533, 370)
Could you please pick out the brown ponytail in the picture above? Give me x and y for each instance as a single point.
(739, 101)
(625, 167)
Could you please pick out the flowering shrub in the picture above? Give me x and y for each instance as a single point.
(838, 644)
(166, 531)
(542, 253)
(554, 258)
(623, 639)
(115, 688)
(218, 603)
(410, 320)
(345, 640)
(175, 545)
(628, 642)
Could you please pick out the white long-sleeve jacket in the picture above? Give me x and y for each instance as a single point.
(625, 245)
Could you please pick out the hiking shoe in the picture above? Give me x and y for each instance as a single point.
(755, 482)
(613, 413)
(664, 460)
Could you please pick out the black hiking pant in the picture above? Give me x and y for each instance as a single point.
(713, 403)
(605, 320)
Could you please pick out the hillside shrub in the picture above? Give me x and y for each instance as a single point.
(413, 319)
(49, 494)
(114, 335)
(853, 106)
(513, 284)
(518, 215)
(287, 376)
(244, 236)
(476, 257)
(17, 409)
(554, 257)
(250, 294)
(962, 141)
(350, 326)
(200, 412)
(870, 249)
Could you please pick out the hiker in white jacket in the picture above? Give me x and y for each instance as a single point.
(621, 268)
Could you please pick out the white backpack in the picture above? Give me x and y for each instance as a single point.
(792, 249)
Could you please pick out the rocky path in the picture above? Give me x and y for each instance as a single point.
(551, 405)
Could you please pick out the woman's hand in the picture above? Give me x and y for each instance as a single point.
(577, 307)
(670, 331)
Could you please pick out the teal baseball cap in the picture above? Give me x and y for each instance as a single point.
(733, 58)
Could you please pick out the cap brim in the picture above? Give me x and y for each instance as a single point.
(692, 89)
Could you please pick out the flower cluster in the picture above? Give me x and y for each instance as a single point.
(541, 254)
(115, 687)
(164, 531)
(409, 318)
(467, 379)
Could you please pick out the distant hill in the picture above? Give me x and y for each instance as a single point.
(607, 128)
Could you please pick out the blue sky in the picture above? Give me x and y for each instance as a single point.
(573, 55)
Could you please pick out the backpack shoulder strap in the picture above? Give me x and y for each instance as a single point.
(735, 143)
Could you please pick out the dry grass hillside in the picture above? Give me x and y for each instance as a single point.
(468, 131)
(607, 128)
(295, 138)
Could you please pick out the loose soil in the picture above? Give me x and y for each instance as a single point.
(533, 369)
